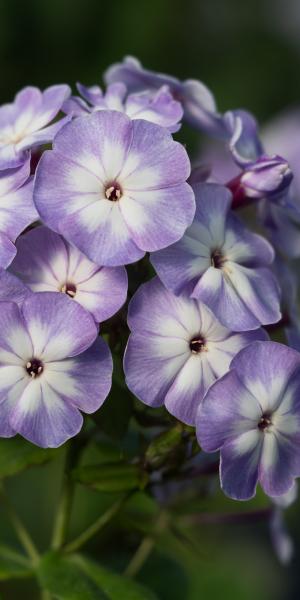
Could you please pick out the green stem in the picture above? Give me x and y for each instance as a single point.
(61, 523)
(146, 546)
(96, 526)
(139, 558)
(45, 595)
(20, 529)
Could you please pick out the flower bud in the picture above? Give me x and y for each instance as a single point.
(267, 177)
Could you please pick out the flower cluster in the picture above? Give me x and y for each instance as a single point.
(114, 186)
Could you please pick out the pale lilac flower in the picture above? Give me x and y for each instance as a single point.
(221, 263)
(17, 210)
(177, 349)
(115, 188)
(24, 123)
(12, 289)
(51, 367)
(47, 263)
(155, 106)
(197, 100)
(252, 414)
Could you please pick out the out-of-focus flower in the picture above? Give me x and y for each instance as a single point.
(24, 123)
(47, 263)
(17, 210)
(115, 188)
(282, 221)
(197, 100)
(252, 414)
(50, 369)
(221, 263)
(281, 539)
(155, 106)
(176, 350)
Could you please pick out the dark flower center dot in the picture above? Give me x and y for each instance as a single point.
(197, 344)
(113, 191)
(265, 422)
(69, 289)
(217, 259)
(34, 367)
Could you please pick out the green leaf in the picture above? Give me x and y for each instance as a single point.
(117, 587)
(111, 477)
(16, 454)
(61, 577)
(12, 564)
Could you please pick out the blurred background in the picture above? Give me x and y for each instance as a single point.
(248, 53)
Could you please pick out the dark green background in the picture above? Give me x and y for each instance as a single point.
(248, 53)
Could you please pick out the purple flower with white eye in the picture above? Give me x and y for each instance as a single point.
(155, 106)
(17, 210)
(221, 263)
(51, 368)
(197, 100)
(252, 414)
(24, 123)
(176, 350)
(115, 188)
(47, 263)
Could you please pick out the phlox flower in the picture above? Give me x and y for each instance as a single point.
(176, 350)
(51, 367)
(115, 188)
(17, 210)
(156, 106)
(252, 414)
(221, 263)
(26, 122)
(47, 263)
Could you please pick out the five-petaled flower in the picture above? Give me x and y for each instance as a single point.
(24, 123)
(47, 263)
(177, 349)
(252, 414)
(51, 367)
(115, 188)
(221, 263)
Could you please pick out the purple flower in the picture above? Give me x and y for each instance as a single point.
(12, 289)
(156, 106)
(243, 139)
(47, 263)
(51, 367)
(197, 100)
(268, 177)
(177, 349)
(115, 188)
(24, 123)
(221, 263)
(17, 210)
(282, 224)
(252, 414)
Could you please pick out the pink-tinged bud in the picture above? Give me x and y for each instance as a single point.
(268, 177)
